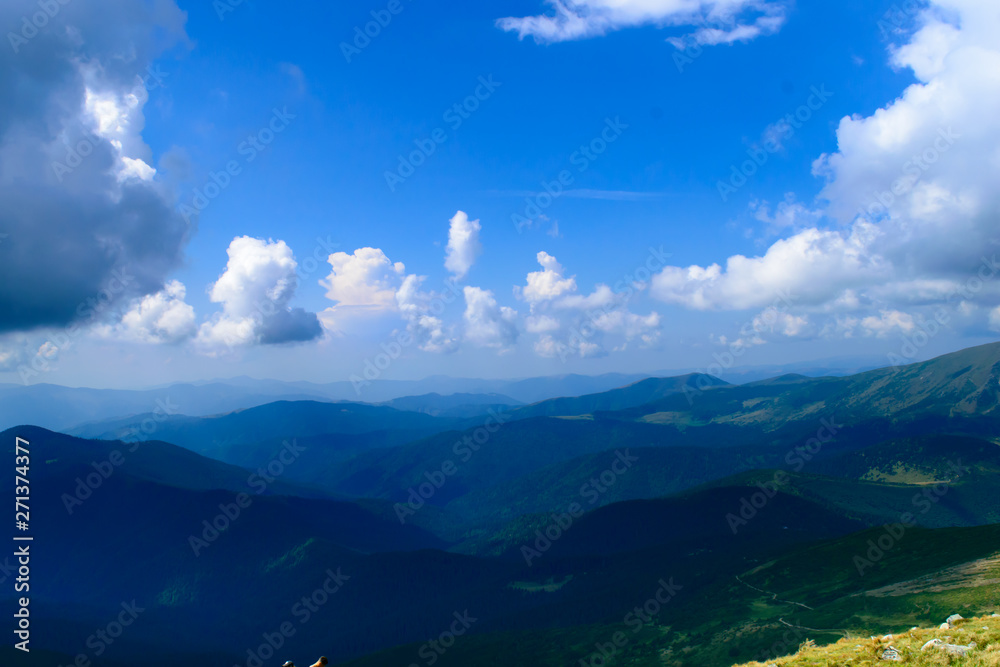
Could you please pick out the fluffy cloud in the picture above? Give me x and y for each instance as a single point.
(546, 284)
(812, 267)
(573, 324)
(486, 322)
(255, 290)
(367, 284)
(365, 278)
(463, 245)
(75, 176)
(923, 167)
(888, 322)
(541, 324)
(631, 327)
(717, 21)
(601, 297)
(12, 353)
(163, 317)
(911, 189)
(551, 348)
(114, 115)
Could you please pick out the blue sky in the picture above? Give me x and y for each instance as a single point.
(682, 110)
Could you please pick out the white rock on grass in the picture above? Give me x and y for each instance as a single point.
(950, 649)
(892, 654)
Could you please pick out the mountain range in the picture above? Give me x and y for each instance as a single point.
(677, 520)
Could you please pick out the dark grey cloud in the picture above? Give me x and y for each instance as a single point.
(76, 234)
(290, 326)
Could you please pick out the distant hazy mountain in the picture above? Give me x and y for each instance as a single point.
(526, 390)
(280, 419)
(59, 408)
(635, 394)
(453, 405)
(836, 367)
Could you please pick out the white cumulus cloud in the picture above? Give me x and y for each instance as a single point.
(463, 244)
(163, 317)
(486, 322)
(909, 197)
(887, 322)
(811, 267)
(548, 283)
(571, 324)
(255, 291)
(364, 278)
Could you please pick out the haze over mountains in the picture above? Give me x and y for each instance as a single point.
(58, 407)
(546, 523)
